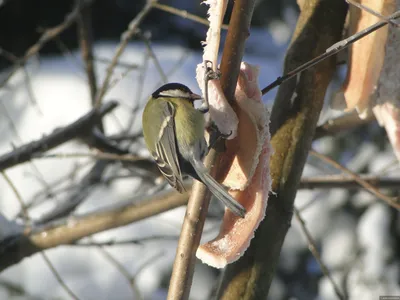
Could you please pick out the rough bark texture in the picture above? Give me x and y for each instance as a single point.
(293, 121)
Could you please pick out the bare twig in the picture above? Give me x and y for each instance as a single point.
(12, 58)
(47, 36)
(344, 182)
(86, 43)
(125, 37)
(121, 64)
(184, 14)
(46, 259)
(59, 136)
(121, 268)
(369, 187)
(332, 50)
(17, 194)
(72, 229)
(81, 192)
(315, 253)
(58, 277)
(98, 156)
(146, 39)
(129, 242)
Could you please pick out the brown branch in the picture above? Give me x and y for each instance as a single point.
(182, 274)
(394, 202)
(14, 249)
(47, 36)
(293, 120)
(86, 42)
(59, 136)
(344, 182)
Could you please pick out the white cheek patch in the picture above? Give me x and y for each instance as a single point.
(174, 93)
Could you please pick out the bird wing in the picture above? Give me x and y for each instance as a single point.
(166, 153)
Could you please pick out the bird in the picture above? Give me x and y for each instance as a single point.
(173, 131)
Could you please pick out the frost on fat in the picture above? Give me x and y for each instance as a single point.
(220, 111)
(250, 152)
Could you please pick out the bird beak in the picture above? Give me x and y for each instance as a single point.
(195, 97)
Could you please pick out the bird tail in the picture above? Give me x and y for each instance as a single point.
(218, 190)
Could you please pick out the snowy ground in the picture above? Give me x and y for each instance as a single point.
(359, 248)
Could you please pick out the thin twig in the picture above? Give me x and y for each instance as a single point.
(146, 39)
(184, 14)
(121, 64)
(24, 209)
(313, 249)
(98, 156)
(139, 91)
(125, 37)
(46, 259)
(59, 136)
(332, 50)
(86, 42)
(72, 229)
(58, 277)
(55, 186)
(81, 192)
(12, 58)
(121, 268)
(47, 36)
(344, 182)
(369, 187)
(128, 242)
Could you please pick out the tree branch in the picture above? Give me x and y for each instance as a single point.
(293, 121)
(59, 136)
(182, 275)
(14, 249)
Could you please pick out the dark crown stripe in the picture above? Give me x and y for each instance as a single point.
(171, 86)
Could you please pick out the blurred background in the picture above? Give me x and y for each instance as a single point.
(356, 234)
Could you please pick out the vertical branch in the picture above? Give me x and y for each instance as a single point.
(182, 274)
(85, 34)
(293, 121)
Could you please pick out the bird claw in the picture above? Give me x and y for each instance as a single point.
(216, 136)
(209, 74)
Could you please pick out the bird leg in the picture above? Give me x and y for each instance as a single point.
(215, 136)
(209, 74)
